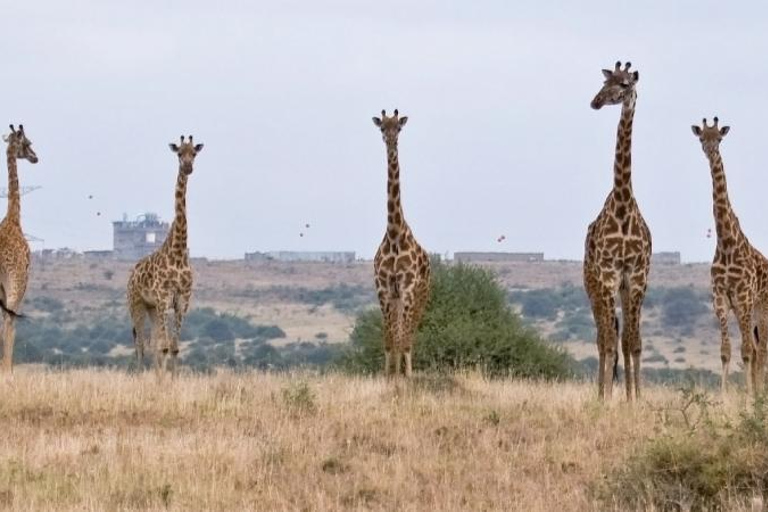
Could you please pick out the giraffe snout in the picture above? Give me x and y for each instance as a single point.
(597, 103)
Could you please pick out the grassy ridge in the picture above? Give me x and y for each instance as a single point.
(107, 440)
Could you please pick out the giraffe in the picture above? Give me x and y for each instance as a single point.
(739, 271)
(617, 249)
(401, 266)
(14, 249)
(161, 283)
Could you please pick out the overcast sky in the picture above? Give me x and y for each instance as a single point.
(500, 141)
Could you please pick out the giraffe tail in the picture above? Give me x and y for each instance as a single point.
(8, 310)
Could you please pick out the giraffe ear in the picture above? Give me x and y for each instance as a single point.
(724, 131)
(607, 73)
(173, 147)
(696, 130)
(636, 76)
(198, 148)
(403, 120)
(377, 121)
(5, 138)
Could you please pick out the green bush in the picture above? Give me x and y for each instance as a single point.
(468, 324)
(680, 307)
(546, 302)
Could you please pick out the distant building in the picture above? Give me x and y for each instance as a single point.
(63, 253)
(97, 254)
(665, 258)
(134, 239)
(305, 256)
(486, 257)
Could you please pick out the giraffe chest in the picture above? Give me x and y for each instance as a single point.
(405, 262)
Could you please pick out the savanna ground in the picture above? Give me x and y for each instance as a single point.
(102, 440)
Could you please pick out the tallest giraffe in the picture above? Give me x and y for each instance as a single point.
(617, 251)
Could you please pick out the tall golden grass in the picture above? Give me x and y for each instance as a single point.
(105, 440)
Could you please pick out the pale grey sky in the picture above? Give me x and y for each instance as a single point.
(500, 140)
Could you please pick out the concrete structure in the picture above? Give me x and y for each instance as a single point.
(486, 257)
(98, 254)
(665, 258)
(135, 239)
(304, 256)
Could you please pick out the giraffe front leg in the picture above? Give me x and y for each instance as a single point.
(720, 305)
(744, 316)
(760, 332)
(9, 337)
(138, 317)
(632, 343)
(603, 310)
(158, 337)
(389, 327)
(180, 309)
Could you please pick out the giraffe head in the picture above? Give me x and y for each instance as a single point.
(710, 136)
(20, 145)
(187, 152)
(618, 86)
(390, 126)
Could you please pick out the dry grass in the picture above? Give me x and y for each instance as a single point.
(105, 440)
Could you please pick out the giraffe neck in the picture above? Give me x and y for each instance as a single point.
(176, 242)
(395, 219)
(726, 224)
(622, 167)
(14, 197)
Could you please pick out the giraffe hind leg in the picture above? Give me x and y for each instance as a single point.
(720, 304)
(138, 319)
(744, 316)
(633, 294)
(603, 310)
(8, 332)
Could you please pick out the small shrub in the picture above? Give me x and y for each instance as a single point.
(681, 307)
(333, 466)
(299, 398)
(655, 358)
(700, 463)
(492, 418)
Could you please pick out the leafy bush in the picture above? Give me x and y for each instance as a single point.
(681, 307)
(467, 324)
(206, 322)
(46, 304)
(546, 302)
